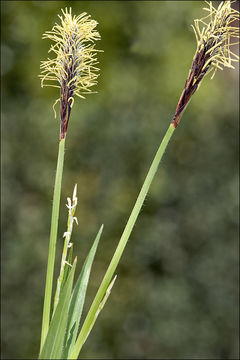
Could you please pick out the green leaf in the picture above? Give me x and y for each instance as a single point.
(52, 348)
(101, 305)
(82, 337)
(78, 298)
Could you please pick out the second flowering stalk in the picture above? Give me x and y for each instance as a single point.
(215, 36)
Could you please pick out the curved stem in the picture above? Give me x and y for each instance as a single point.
(52, 242)
(121, 245)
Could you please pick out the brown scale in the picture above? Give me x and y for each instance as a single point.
(67, 92)
(195, 76)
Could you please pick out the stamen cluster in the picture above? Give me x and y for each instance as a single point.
(215, 36)
(73, 68)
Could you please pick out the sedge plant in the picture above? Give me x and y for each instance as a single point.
(73, 71)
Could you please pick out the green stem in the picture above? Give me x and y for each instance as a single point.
(52, 242)
(121, 245)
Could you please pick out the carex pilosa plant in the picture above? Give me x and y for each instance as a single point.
(73, 71)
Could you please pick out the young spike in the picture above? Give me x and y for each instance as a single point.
(215, 36)
(73, 68)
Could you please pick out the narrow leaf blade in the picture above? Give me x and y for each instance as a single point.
(83, 337)
(52, 348)
(101, 305)
(78, 298)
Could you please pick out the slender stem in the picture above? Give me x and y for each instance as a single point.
(52, 243)
(121, 245)
(60, 277)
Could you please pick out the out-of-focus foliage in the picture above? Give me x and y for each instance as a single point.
(176, 293)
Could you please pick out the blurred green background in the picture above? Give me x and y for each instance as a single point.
(176, 294)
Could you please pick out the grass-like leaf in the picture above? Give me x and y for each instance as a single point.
(103, 302)
(53, 346)
(82, 338)
(78, 298)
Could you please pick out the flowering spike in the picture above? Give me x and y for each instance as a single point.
(73, 67)
(215, 36)
(71, 205)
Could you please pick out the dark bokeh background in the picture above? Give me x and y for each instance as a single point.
(176, 294)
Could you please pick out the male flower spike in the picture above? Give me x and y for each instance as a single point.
(73, 68)
(215, 36)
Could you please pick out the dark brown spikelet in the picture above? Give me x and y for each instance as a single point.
(214, 40)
